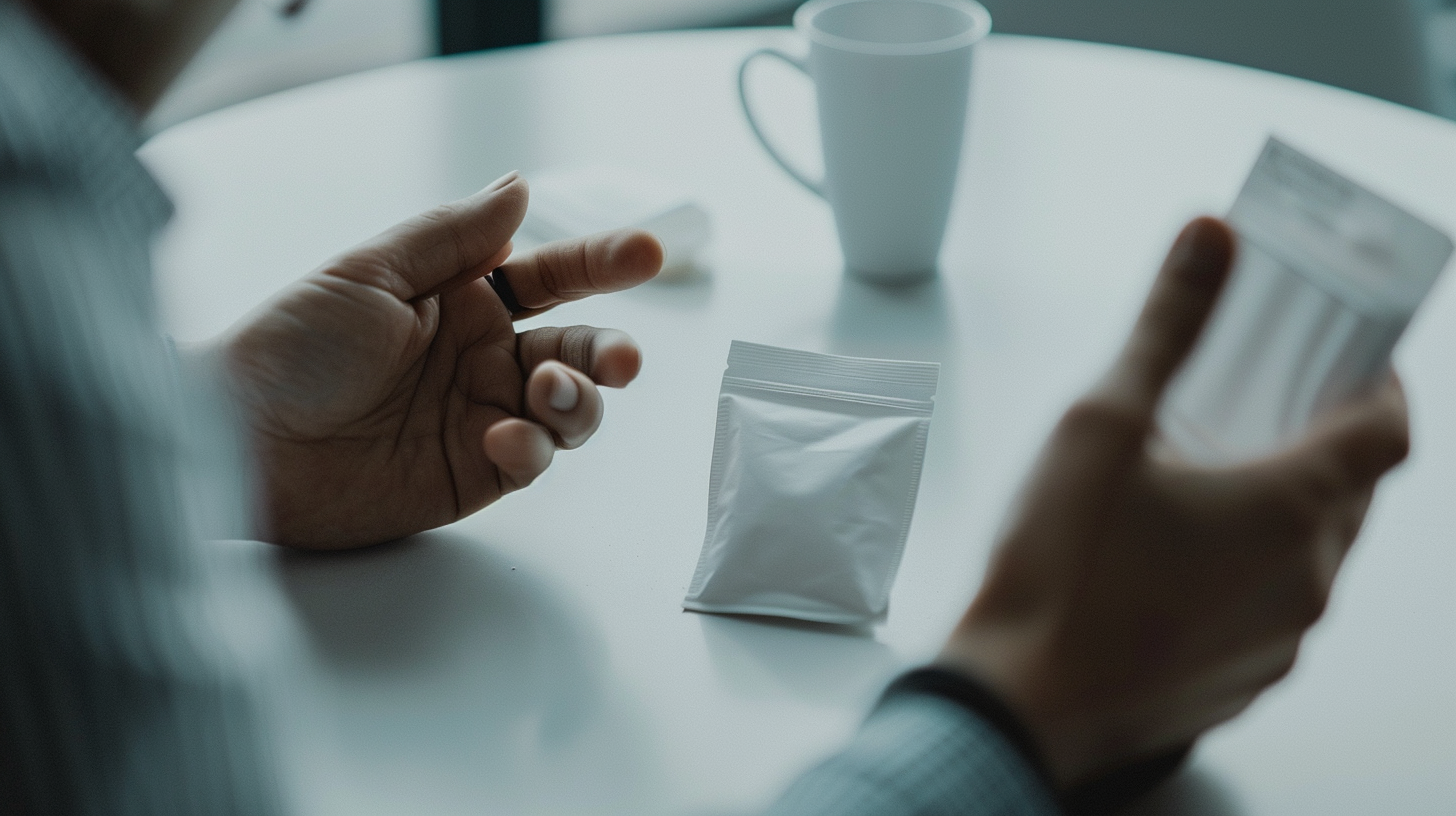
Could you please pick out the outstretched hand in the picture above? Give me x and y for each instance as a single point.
(1135, 602)
(388, 391)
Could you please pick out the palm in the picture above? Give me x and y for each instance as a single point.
(380, 403)
(371, 399)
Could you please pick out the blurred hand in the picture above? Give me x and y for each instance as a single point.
(1133, 602)
(388, 392)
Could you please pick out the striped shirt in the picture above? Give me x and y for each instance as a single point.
(113, 695)
(921, 755)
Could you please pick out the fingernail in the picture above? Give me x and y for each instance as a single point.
(564, 393)
(503, 181)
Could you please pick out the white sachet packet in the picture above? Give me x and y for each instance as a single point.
(816, 465)
(1327, 278)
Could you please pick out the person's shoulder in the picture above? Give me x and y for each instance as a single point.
(27, 103)
(77, 212)
(58, 118)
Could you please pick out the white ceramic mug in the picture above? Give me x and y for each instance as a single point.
(893, 81)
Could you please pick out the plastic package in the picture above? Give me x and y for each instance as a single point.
(816, 466)
(1327, 278)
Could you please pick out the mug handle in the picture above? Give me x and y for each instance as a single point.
(815, 187)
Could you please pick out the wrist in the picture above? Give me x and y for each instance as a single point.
(1080, 787)
(969, 692)
(1005, 665)
(1092, 765)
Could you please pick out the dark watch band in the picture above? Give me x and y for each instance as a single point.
(1106, 793)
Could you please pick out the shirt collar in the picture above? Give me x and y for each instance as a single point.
(62, 115)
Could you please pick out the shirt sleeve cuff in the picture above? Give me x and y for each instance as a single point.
(922, 754)
(1107, 793)
(972, 695)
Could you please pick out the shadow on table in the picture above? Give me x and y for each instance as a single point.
(814, 663)
(446, 671)
(904, 322)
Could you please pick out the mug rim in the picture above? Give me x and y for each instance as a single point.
(980, 27)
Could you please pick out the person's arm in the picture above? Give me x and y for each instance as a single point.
(112, 698)
(1133, 602)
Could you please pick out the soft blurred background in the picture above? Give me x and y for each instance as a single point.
(1402, 50)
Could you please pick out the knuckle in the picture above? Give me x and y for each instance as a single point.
(1099, 416)
(436, 216)
(1376, 447)
(577, 346)
(537, 346)
(1282, 669)
(1309, 597)
(1397, 443)
(447, 213)
(449, 217)
(589, 262)
(550, 274)
(1311, 608)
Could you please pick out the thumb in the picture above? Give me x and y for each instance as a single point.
(443, 247)
(1182, 298)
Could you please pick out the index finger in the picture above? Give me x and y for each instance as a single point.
(576, 268)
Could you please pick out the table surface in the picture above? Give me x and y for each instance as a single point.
(534, 658)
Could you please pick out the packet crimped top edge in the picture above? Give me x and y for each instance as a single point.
(1368, 251)
(906, 380)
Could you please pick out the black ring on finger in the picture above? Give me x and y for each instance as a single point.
(503, 290)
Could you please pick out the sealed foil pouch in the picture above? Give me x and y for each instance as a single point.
(1327, 277)
(816, 466)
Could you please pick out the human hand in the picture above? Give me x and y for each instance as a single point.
(1135, 602)
(388, 392)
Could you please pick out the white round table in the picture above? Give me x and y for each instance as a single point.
(533, 659)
